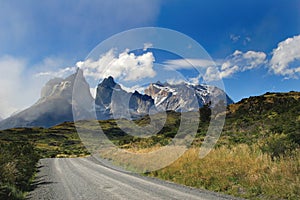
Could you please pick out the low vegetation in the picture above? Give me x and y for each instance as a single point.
(256, 157)
(21, 148)
(17, 166)
(243, 171)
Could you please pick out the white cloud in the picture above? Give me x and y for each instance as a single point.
(287, 52)
(175, 81)
(229, 71)
(60, 73)
(237, 62)
(21, 85)
(126, 66)
(246, 61)
(188, 63)
(19, 88)
(134, 88)
(10, 73)
(212, 74)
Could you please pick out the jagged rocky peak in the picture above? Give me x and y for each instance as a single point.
(112, 101)
(61, 87)
(184, 96)
(104, 91)
(55, 104)
(50, 87)
(109, 82)
(140, 103)
(156, 89)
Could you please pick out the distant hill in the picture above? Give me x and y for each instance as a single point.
(248, 121)
(273, 115)
(271, 109)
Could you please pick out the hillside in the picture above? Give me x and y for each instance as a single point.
(257, 153)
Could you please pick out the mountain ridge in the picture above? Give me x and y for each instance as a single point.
(57, 101)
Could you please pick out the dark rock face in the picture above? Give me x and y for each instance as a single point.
(54, 106)
(114, 102)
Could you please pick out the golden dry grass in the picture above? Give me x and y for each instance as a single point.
(241, 171)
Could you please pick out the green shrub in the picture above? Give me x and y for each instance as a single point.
(278, 145)
(17, 166)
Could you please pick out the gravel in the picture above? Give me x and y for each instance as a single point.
(86, 178)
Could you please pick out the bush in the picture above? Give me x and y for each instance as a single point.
(17, 166)
(278, 145)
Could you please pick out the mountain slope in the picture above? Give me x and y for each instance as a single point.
(185, 96)
(114, 102)
(58, 96)
(54, 106)
(255, 129)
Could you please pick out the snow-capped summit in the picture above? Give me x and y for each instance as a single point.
(184, 96)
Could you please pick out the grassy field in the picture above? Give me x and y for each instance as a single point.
(243, 171)
(256, 157)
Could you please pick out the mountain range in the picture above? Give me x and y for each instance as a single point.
(111, 101)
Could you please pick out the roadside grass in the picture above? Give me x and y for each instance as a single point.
(243, 171)
(17, 166)
(21, 148)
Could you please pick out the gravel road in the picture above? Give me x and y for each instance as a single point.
(86, 178)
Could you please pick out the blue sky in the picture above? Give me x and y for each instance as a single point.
(254, 43)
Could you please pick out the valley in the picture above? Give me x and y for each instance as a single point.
(256, 155)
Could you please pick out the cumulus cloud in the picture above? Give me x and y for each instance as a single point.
(286, 58)
(125, 66)
(246, 61)
(227, 72)
(237, 62)
(212, 74)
